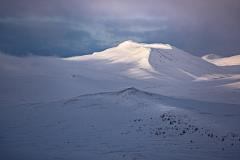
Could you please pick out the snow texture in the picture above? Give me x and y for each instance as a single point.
(227, 61)
(133, 101)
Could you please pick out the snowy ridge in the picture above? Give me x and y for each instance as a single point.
(180, 63)
(154, 55)
(211, 56)
(228, 61)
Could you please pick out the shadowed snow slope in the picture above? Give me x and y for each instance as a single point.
(128, 124)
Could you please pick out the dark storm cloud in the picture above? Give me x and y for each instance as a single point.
(44, 38)
(73, 27)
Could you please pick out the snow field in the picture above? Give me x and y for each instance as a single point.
(129, 124)
(183, 108)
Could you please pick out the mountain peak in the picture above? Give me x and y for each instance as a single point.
(127, 43)
(132, 44)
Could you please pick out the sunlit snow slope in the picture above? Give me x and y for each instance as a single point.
(145, 61)
(227, 61)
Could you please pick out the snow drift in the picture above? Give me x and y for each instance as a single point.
(226, 61)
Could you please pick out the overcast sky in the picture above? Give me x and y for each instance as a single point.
(77, 27)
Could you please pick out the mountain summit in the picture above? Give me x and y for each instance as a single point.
(161, 59)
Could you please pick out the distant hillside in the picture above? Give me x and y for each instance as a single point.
(228, 61)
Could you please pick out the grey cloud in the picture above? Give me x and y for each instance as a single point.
(44, 39)
(81, 27)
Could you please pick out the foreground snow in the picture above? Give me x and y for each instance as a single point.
(129, 124)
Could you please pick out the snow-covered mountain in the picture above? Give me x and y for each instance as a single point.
(163, 60)
(164, 69)
(133, 101)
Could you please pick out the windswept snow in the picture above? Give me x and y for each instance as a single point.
(227, 61)
(211, 56)
(181, 106)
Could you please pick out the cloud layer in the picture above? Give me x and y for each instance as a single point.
(73, 27)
